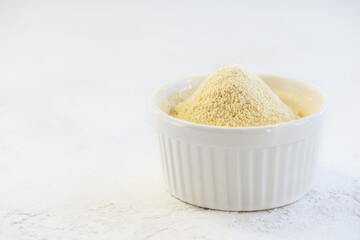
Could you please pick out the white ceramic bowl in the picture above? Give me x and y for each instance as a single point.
(238, 168)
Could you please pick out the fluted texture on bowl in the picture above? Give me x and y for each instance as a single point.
(237, 179)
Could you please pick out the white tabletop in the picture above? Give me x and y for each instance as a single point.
(78, 155)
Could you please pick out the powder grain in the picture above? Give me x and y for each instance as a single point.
(233, 96)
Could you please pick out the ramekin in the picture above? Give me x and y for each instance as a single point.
(238, 168)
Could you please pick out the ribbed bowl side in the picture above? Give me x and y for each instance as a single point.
(237, 179)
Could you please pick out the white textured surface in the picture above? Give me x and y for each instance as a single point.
(78, 157)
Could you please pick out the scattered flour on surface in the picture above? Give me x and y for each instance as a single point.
(103, 206)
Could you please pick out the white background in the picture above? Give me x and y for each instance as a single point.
(78, 156)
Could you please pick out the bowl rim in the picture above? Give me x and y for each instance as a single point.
(155, 108)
